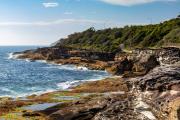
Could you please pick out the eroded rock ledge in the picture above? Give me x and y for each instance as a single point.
(138, 62)
(152, 89)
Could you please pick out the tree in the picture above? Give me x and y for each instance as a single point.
(178, 16)
(108, 40)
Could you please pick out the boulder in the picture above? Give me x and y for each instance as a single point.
(145, 64)
(120, 67)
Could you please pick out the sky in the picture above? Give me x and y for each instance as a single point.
(42, 22)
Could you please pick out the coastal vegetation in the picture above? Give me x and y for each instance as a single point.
(166, 33)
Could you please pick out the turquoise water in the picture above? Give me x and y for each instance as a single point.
(20, 78)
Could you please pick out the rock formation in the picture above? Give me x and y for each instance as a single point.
(154, 84)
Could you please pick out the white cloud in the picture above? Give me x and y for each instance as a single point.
(50, 4)
(47, 23)
(68, 13)
(133, 2)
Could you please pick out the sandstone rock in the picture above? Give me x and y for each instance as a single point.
(113, 107)
(121, 67)
(169, 55)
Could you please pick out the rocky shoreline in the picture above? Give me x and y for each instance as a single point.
(149, 88)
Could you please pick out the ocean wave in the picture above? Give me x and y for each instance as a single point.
(23, 95)
(42, 61)
(66, 67)
(7, 90)
(69, 84)
(72, 67)
(62, 84)
(54, 65)
(42, 92)
(51, 64)
(11, 92)
(82, 68)
(13, 56)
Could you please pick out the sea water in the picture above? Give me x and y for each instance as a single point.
(19, 78)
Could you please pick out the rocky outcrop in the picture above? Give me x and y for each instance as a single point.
(155, 95)
(137, 63)
(160, 89)
(162, 79)
(169, 55)
(121, 66)
(141, 61)
(112, 107)
(54, 53)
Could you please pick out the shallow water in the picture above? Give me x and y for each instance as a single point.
(38, 107)
(20, 78)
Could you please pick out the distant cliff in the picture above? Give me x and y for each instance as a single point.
(142, 36)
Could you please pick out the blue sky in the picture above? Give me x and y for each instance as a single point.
(41, 22)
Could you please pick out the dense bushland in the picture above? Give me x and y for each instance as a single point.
(139, 36)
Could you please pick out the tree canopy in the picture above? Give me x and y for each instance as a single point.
(139, 36)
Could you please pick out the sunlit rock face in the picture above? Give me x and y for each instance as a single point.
(160, 88)
(169, 55)
(53, 53)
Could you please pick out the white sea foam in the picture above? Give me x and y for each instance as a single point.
(54, 65)
(68, 84)
(42, 92)
(13, 56)
(42, 61)
(82, 68)
(10, 56)
(61, 86)
(12, 92)
(7, 90)
(67, 67)
(22, 95)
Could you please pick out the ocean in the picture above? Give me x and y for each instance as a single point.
(20, 78)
